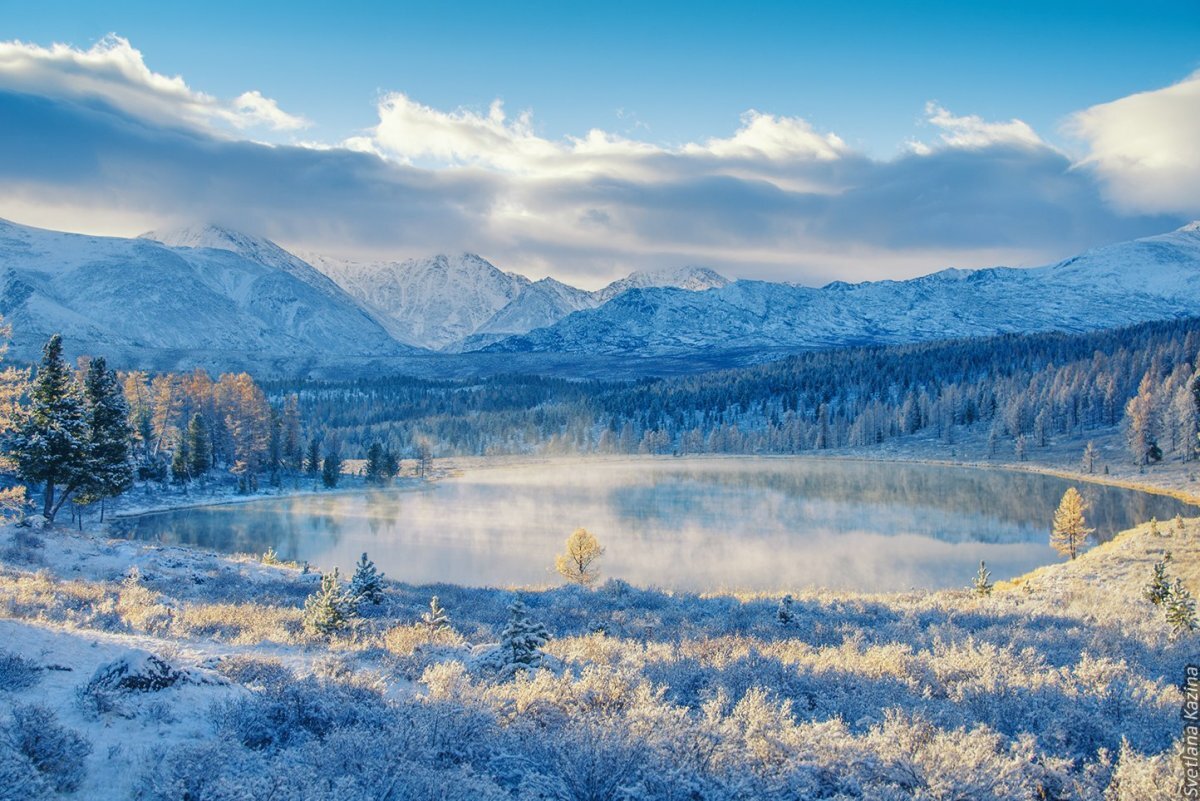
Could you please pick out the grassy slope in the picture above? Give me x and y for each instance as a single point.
(1069, 654)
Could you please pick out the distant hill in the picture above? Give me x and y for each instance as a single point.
(1146, 279)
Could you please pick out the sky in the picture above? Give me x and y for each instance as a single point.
(794, 141)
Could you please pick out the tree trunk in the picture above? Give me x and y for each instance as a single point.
(48, 509)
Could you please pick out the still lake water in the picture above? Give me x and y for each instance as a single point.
(689, 524)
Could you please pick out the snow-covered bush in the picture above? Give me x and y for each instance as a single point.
(58, 753)
(17, 672)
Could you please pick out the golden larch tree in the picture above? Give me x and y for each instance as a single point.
(578, 563)
(1070, 527)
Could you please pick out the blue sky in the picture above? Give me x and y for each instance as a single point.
(848, 97)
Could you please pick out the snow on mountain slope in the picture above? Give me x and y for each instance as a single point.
(140, 302)
(693, 279)
(1147, 279)
(433, 302)
(539, 304)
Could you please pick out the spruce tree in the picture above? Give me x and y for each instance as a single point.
(110, 464)
(1180, 610)
(331, 468)
(312, 465)
(199, 447)
(374, 469)
(51, 445)
(391, 465)
(180, 464)
(435, 619)
(982, 586)
(784, 615)
(1159, 588)
(293, 446)
(330, 608)
(523, 637)
(367, 583)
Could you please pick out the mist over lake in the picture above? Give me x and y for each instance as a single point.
(695, 524)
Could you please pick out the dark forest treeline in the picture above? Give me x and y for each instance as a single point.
(1027, 388)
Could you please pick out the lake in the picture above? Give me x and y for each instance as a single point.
(768, 524)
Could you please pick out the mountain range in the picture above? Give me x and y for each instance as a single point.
(213, 297)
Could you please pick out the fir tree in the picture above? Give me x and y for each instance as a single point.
(578, 563)
(199, 447)
(1159, 588)
(367, 583)
(110, 466)
(1180, 610)
(1178, 524)
(523, 637)
(435, 619)
(374, 469)
(1154, 527)
(330, 608)
(982, 586)
(391, 465)
(293, 446)
(180, 469)
(312, 465)
(331, 468)
(51, 445)
(1070, 530)
(784, 615)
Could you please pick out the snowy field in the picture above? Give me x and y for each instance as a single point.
(131, 671)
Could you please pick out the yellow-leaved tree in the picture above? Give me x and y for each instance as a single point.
(578, 563)
(1070, 527)
(13, 384)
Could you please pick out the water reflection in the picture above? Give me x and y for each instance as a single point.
(767, 524)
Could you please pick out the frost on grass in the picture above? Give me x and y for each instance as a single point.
(1062, 685)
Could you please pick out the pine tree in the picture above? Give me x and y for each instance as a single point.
(523, 637)
(577, 564)
(199, 447)
(331, 468)
(784, 615)
(330, 608)
(367, 583)
(180, 464)
(1154, 527)
(374, 469)
(1070, 530)
(391, 465)
(51, 445)
(1180, 610)
(110, 466)
(435, 619)
(1159, 588)
(293, 446)
(312, 464)
(982, 586)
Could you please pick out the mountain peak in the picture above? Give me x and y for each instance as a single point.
(692, 278)
(1191, 228)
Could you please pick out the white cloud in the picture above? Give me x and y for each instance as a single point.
(113, 71)
(1146, 147)
(973, 132)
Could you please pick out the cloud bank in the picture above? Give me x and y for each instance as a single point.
(95, 140)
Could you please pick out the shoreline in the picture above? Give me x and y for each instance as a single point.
(456, 466)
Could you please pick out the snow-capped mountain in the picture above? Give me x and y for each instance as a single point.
(693, 279)
(462, 303)
(142, 302)
(1146, 279)
(433, 302)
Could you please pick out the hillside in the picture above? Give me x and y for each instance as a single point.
(143, 303)
(183, 674)
(1147, 279)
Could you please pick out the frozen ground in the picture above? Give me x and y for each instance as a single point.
(1063, 684)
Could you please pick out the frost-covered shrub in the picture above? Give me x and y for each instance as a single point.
(58, 753)
(252, 671)
(19, 778)
(18, 672)
(286, 714)
(140, 607)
